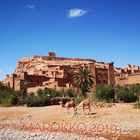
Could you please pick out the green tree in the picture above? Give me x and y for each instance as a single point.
(83, 80)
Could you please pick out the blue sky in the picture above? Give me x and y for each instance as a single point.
(105, 30)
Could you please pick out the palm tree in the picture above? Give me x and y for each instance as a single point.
(83, 80)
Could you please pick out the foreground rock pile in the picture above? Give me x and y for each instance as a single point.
(9, 130)
(8, 134)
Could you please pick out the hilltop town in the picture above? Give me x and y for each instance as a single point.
(57, 72)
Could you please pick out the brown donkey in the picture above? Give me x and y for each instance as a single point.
(85, 104)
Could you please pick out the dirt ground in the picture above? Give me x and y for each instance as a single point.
(118, 119)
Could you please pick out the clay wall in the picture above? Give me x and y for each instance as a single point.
(131, 79)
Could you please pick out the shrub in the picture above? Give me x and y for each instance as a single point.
(14, 99)
(6, 95)
(6, 102)
(104, 93)
(136, 90)
(37, 100)
(125, 94)
(51, 92)
(18, 98)
(70, 93)
(49, 96)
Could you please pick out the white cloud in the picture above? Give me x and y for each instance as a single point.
(0, 71)
(76, 12)
(32, 7)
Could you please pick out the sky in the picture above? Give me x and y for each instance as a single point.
(104, 30)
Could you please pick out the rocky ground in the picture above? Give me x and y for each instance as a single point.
(119, 122)
(22, 135)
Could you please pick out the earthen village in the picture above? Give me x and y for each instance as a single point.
(56, 72)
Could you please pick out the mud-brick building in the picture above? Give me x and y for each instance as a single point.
(56, 72)
(127, 76)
